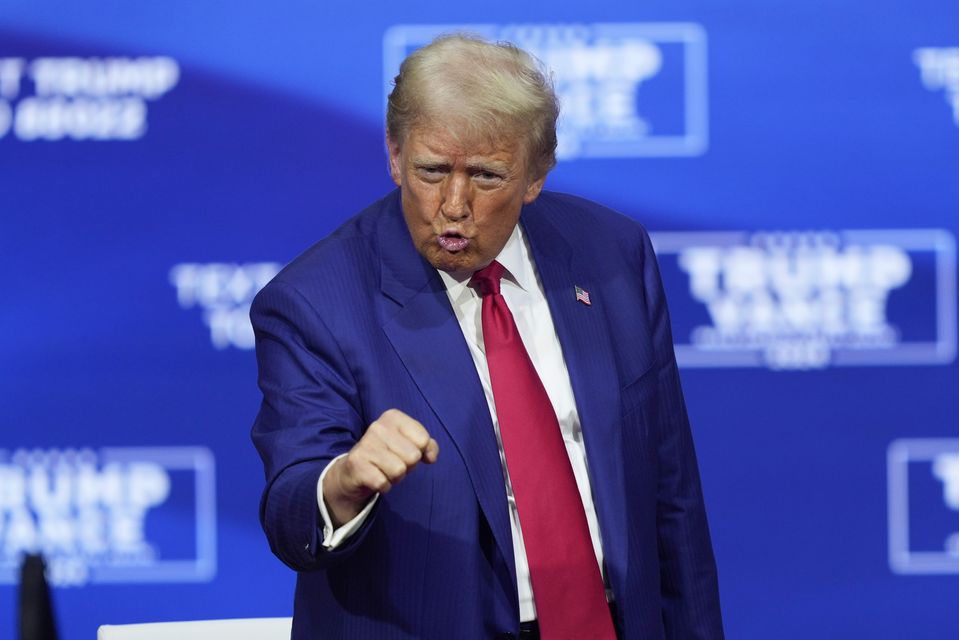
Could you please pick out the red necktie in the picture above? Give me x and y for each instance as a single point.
(567, 585)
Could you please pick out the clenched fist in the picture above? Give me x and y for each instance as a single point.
(391, 447)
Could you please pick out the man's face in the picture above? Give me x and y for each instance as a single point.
(461, 200)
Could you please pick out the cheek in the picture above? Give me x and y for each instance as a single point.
(500, 216)
(420, 201)
(418, 218)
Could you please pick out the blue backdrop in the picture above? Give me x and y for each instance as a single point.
(797, 165)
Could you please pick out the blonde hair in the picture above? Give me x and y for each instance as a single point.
(481, 90)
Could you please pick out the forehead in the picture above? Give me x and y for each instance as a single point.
(449, 142)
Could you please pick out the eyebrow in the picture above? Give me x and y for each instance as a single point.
(493, 166)
(433, 161)
(472, 164)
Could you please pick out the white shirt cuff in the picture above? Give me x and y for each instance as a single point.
(332, 538)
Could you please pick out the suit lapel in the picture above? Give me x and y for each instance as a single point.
(428, 339)
(587, 348)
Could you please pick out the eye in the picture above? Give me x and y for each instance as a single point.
(431, 173)
(488, 178)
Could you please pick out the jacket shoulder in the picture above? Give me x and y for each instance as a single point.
(591, 223)
(345, 257)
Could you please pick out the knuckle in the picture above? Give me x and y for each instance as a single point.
(417, 434)
(395, 469)
(390, 415)
(423, 441)
(370, 478)
(412, 456)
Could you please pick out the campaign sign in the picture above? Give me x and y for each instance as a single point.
(939, 68)
(224, 291)
(924, 506)
(71, 98)
(811, 299)
(626, 89)
(109, 515)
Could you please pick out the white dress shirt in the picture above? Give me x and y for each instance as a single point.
(523, 292)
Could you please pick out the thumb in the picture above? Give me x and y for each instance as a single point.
(431, 452)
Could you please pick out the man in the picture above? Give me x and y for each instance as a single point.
(472, 424)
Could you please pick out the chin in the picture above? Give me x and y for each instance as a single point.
(452, 262)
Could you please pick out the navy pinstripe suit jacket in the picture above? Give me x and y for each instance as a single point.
(360, 323)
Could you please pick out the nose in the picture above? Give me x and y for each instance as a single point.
(455, 205)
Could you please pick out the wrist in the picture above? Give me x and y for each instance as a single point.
(341, 506)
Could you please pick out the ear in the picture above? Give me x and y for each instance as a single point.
(533, 189)
(395, 161)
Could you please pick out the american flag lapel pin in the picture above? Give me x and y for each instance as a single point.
(583, 296)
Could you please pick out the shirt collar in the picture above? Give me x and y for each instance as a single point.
(515, 260)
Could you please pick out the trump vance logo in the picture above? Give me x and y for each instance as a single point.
(806, 300)
(87, 512)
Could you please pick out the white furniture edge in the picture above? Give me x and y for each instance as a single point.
(237, 629)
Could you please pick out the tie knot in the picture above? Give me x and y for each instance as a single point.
(486, 280)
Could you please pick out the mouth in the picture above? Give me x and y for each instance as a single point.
(452, 241)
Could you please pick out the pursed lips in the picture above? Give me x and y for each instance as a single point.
(452, 240)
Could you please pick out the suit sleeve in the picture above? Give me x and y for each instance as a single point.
(688, 579)
(309, 415)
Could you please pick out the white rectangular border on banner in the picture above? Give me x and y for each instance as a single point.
(902, 559)
(203, 567)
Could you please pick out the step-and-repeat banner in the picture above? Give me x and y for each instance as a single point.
(797, 164)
